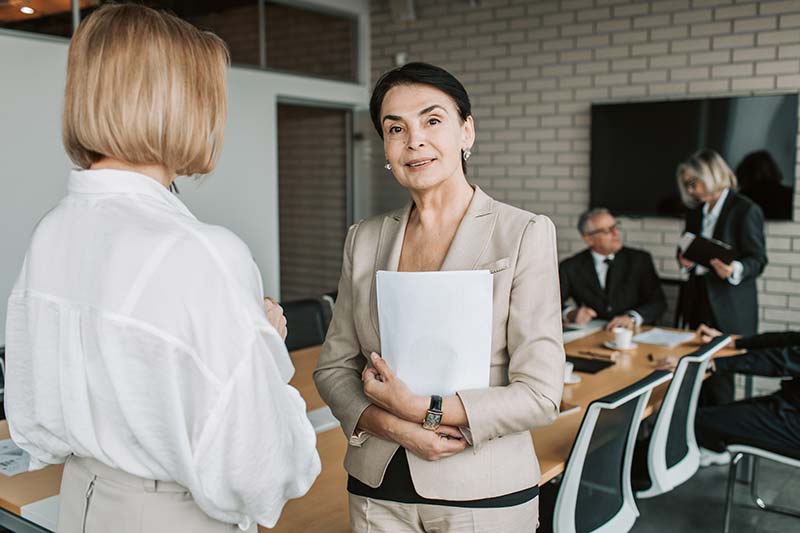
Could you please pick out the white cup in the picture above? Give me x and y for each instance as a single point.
(622, 337)
(568, 367)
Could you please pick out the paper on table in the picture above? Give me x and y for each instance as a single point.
(13, 460)
(662, 337)
(436, 328)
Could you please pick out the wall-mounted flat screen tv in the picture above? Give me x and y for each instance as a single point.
(637, 147)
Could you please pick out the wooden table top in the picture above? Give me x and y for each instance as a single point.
(304, 362)
(553, 443)
(324, 508)
(28, 487)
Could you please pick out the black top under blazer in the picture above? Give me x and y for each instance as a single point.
(631, 285)
(740, 224)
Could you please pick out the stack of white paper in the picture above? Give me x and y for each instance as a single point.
(663, 337)
(436, 328)
(12, 459)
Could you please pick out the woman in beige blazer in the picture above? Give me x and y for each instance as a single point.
(476, 471)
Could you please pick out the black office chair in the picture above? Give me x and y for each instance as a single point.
(328, 302)
(305, 323)
(2, 382)
(672, 454)
(673, 289)
(595, 491)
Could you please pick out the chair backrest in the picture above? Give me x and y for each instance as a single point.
(672, 291)
(2, 372)
(305, 323)
(673, 456)
(595, 492)
(328, 303)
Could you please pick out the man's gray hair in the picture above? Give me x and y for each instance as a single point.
(584, 221)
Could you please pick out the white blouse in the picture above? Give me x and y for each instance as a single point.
(136, 336)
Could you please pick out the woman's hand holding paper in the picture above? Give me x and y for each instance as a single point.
(388, 392)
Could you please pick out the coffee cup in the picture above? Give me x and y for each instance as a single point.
(568, 368)
(622, 337)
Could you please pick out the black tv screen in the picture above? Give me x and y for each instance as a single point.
(637, 147)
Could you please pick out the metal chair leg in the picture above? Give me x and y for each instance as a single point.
(760, 502)
(754, 486)
(729, 496)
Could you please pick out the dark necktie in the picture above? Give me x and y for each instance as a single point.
(609, 263)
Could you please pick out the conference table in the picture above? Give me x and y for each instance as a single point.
(29, 501)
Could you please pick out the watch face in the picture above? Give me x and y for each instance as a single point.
(433, 420)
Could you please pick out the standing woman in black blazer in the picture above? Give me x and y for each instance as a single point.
(724, 296)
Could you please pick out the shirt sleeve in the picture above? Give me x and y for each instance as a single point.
(258, 448)
(736, 276)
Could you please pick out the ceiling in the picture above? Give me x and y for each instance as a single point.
(10, 9)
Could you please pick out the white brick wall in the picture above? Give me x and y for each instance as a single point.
(533, 67)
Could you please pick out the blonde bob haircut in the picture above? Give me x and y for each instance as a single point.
(708, 167)
(145, 87)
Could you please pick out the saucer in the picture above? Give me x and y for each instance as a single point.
(612, 345)
(574, 378)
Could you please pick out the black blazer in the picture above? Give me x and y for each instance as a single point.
(632, 285)
(769, 354)
(740, 224)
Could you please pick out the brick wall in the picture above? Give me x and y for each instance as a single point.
(533, 68)
(312, 199)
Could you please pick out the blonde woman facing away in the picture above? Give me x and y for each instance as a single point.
(475, 468)
(140, 350)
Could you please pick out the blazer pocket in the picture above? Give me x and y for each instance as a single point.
(496, 266)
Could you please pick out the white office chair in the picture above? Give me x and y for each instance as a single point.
(738, 451)
(595, 493)
(672, 455)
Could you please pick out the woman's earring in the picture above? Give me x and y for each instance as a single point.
(467, 153)
(387, 166)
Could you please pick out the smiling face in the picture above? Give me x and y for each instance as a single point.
(423, 136)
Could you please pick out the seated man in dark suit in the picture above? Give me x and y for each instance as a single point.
(770, 422)
(607, 280)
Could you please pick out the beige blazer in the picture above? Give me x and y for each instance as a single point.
(527, 362)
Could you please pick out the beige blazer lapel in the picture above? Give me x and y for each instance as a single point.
(387, 257)
(473, 234)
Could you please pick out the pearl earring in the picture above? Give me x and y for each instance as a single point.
(387, 166)
(467, 153)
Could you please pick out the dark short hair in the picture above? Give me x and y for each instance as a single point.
(419, 74)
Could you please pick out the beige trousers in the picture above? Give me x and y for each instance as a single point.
(379, 516)
(98, 499)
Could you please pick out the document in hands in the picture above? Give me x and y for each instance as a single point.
(702, 251)
(436, 328)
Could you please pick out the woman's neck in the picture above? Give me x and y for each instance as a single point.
(712, 201)
(160, 173)
(441, 205)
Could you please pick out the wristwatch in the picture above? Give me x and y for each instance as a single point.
(434, 416)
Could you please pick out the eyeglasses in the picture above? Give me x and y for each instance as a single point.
(606, 231)
(691, 183)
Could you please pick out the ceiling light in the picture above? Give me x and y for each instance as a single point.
(27, 10)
